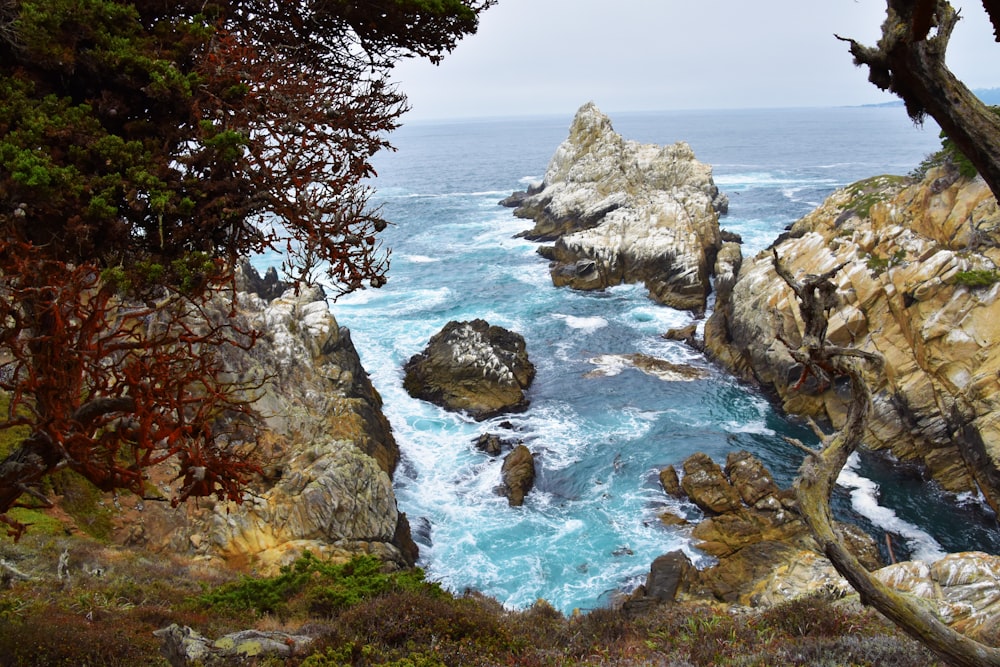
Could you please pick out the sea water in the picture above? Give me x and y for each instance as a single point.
(600, 428)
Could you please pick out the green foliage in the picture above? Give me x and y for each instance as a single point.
(84, 502)
(977, 278)
(950, 155)
(879, 265)
(325, 588)
(38, 522)
(865, 194)
(10, 437)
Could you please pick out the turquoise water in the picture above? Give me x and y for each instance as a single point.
(600, 429)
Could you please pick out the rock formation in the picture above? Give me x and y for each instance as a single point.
(917, 284)
(472, 367)
(329, 453)
(766, 555)
(620, 211)
(184, 647)
(518, 474)
(753, 528)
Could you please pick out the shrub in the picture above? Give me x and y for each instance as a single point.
(976, 278)
(323, 588)
(949, 154)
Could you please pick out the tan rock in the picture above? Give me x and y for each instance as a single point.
(518, 474)
(904, 247)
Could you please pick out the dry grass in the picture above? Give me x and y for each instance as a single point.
(106, 612)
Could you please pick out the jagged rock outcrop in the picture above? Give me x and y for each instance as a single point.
(918, 285)
(472, 367)
(328, 449)
(754, 530)
(766, 555)
(621, 211)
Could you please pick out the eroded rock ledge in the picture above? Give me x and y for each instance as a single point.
(620, 211)
(918, 284)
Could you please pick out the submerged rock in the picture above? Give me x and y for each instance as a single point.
(620, 211)
(518, 474)
(472, 367)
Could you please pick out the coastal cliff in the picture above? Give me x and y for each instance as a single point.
(328, 449)
(916, 275)
(620, 211)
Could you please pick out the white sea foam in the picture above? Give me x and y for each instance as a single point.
(864, 499)
(762, 178)
(584, 324)
(420, 259)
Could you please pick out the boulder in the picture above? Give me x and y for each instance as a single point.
(518, 474)
(472, 367)
(184, 647)
(620, 211)
(963, 588)
(707, 486)
(752, 481)
(670, 481)
(493, 444)
(919, 285)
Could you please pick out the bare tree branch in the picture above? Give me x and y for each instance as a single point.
(818, 474)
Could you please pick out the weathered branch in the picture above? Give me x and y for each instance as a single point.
(909, 61)
(817, 476)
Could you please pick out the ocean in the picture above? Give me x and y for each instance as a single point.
(601, 429)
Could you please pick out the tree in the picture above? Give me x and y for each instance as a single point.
(147, 146)
(820, 469)
(909, 61)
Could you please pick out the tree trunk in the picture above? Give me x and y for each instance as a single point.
(909, 61)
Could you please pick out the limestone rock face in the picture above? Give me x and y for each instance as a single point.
(963, 588)
(473, 367)
(329, 453)
(620, 211)
(918, 286)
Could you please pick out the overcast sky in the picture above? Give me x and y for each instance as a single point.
(550, 56)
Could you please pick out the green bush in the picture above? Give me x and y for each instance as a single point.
(949, 154)
(976, 278)
(323, 588)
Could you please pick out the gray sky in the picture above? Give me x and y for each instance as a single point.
(550, 56)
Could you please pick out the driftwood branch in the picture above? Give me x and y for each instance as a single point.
(819, 472)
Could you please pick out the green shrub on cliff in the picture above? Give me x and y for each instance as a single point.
(976, 278)
(318, 587)
(949, 154)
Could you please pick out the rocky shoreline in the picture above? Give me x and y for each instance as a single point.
(330, 451)
(916, 272)
(917, 277)
(916, 267)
